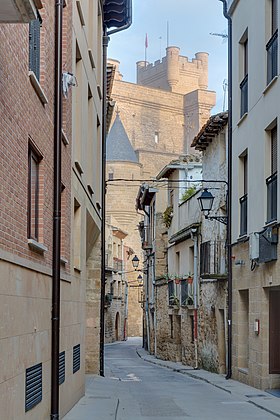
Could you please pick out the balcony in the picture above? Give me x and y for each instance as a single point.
(19, 11)
(244, 96)
(146, 234)
(243, 214)
(271, 184)
(213, 259)
(272, 57)
(117, 264)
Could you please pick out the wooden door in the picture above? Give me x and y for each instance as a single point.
(274, 332)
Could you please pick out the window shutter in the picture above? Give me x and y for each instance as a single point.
(274, 16)
(34, 46)
(274, 150)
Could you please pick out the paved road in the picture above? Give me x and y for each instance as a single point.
(134, 389)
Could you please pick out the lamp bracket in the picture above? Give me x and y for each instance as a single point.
(221, 219)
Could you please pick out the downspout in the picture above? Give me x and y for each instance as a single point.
(103, 187)
(229, 192)
(195, 290)
(125, 293)
(147, 306)
(56, 212)
(103, 203)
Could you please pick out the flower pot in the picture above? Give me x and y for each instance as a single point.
(190, 280)
(177, 280)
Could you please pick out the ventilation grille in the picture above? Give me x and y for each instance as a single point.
(61, 367)
(33, 386)
(76, 358)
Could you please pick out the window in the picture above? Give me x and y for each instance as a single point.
(272, 45)
(33, 194)
(156, 137)
(244, 83)
(111, 176)
(271, 181)
(243, 198)
(34, 46)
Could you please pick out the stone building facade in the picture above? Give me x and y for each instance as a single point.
(187, 297)
(160, 117)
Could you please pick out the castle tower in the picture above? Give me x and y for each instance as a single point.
(122, 163)
(173, 72)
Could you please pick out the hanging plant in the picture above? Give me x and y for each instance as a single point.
(167, 216)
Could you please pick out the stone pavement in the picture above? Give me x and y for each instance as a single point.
(101, 401)
(259, 398)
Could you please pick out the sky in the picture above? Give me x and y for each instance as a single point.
(190, 23)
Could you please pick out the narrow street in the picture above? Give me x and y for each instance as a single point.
(136, 389)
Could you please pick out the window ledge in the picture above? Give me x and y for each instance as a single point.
(270, 84)
(38, 88)
(242, 238)
(63, 260)
(36, 246)
(244, 370)
(77, 269)
(244, 116)
(64, 138)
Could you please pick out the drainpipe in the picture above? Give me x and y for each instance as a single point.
(229, 194)
(103, 202)
(147, 307)
(103, 186)
(125, 293)
(195, 293)
(56, 212)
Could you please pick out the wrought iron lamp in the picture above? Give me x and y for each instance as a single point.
(205, 203)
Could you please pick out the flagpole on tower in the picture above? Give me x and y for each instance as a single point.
(146, 46)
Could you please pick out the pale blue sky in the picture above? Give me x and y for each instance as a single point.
(190, 24)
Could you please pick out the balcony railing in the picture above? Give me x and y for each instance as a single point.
(244, 96)
(146, 234)
(272, 57)
(213, 259)
(243, 214)
(271, 184)
(118, 264)
(170, 292)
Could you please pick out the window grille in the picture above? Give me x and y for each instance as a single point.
(34, 46)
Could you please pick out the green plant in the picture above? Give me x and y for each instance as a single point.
(167, 216)
(174, 300)
(188, 193)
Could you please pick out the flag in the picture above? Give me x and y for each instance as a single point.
(146, 41)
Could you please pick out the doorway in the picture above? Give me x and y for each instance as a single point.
(117, 323)
(274, 332)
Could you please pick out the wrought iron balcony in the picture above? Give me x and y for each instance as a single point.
(213, 259)
(118, 264)
(272, 57)
(146, 234)
(243, 214)
(271, 184)
(18, 11)
(244, 96)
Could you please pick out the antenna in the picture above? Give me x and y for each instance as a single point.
(223, 35)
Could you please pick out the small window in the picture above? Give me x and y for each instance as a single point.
(111, 176)
(34, 45)
(33, 194)
(156, 137)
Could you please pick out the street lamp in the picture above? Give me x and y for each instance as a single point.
(135, 262)
(205, 203)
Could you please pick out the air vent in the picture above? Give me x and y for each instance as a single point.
(76, 358)
(33, 386)
(61, 367)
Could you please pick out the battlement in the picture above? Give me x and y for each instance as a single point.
(175, 73)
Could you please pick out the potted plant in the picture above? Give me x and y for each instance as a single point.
(167, 216)
(190, 278)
